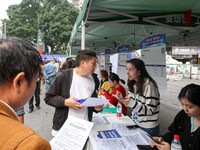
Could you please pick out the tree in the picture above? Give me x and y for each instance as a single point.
(54, 18)
(22, 20)
(56, 21)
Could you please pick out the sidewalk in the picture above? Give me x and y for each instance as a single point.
(41, 120)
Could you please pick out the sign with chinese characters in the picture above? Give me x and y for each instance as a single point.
(49, 57)
(123, 49)
(40, 43)
(184, 50)
(179, 20)
(102, 60)
(72, 135)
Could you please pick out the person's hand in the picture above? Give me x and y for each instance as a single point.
(158, 139)
(163, 146)
(98, 108)
(72, 103)
(119, 94)
(125, 100)
(101, 90)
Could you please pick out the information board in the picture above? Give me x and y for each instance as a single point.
(153, 55)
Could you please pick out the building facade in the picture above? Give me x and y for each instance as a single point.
(77, 3)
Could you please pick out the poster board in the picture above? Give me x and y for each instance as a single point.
(107, 60)
(114, 62)
(153, 55)
(102, 60)
(123, 56)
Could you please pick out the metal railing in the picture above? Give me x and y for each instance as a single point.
(179, 71)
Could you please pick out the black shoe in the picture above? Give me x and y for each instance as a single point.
(38, 107)
(30, 110)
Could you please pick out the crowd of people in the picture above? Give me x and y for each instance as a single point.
(23, 77)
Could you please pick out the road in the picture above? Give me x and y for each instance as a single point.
(41, 120)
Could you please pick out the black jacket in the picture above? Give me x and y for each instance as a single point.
(56, 95)
(96, 80)
(181, 126)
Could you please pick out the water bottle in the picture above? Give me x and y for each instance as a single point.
(119, 109)
(176, 144)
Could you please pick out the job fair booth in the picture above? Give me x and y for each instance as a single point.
(107, 131)
(116, 25)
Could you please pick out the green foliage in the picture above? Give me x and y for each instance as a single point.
(55, 18)
(22, 20)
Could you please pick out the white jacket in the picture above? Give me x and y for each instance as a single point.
(147, 105)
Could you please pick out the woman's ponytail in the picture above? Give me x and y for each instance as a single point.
(122, 81)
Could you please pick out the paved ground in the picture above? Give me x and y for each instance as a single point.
(41, 120)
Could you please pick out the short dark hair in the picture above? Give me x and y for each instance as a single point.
(192, 93)
(17, 56)
(85, 55)
(55, 60)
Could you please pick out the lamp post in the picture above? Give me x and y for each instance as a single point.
(4, 29)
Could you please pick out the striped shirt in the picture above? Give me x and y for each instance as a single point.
(147, 104)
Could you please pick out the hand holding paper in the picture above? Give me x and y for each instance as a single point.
(72, 103)
(98, 108)
(92, 101)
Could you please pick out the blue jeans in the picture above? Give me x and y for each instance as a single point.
(48, 82)
(152, 131)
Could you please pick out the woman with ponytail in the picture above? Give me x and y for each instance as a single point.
(113, 80)
(143, 98)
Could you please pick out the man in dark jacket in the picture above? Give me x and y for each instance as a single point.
(96, 80)
(71, 85)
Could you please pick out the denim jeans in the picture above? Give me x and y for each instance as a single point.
(48, 82)
(152, 131)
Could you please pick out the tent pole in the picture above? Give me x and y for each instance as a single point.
(70, 51)
(67, 53)
(88, 11)
(82, 35)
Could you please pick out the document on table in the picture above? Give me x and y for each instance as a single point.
(92, 101)
(72, 135)
(108, 134)
(111, 144)
(123, 127)
(127, 142)
(100, 120)
(136, 138)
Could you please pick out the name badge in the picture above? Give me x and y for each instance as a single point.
(135, 115)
